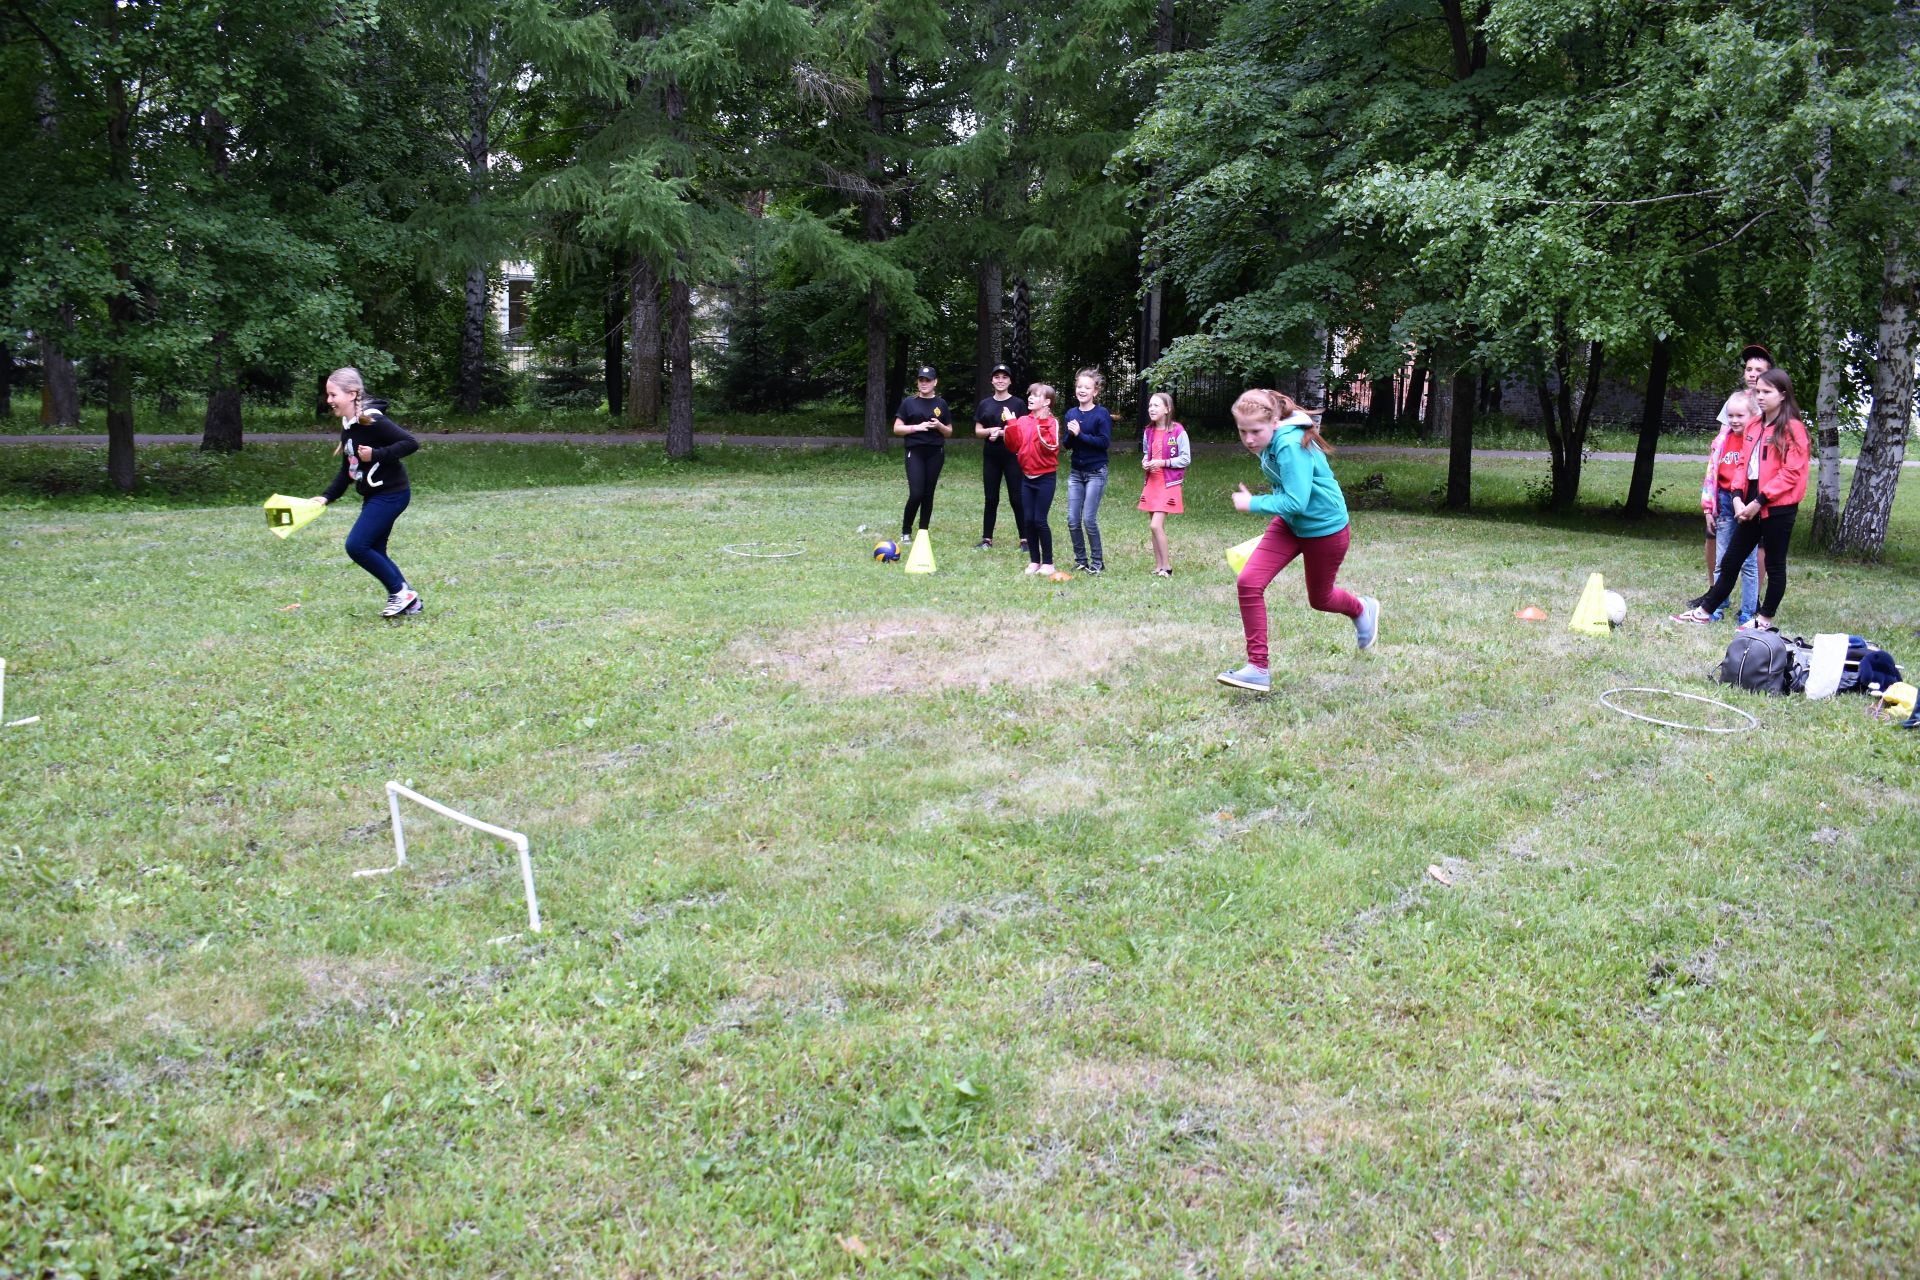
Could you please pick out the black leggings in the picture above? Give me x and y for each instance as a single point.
(1037, 492)
(923, 474)
(1771, 535)
(997, 466)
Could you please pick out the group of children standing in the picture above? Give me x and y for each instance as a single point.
(1756, 477)
(1021, 441)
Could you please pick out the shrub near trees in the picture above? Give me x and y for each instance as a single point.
(1484, 190)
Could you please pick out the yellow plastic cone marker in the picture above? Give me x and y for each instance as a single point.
(284, 514)
(1590, 615)
(1238, 556)
(920, 558)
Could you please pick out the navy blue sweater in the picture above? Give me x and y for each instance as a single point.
(1096, 436)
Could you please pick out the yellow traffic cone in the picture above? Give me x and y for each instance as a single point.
(1239, 554)
(284, 514)
(920, 558)
(1590, 615)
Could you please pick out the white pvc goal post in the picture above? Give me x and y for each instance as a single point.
(395, 790)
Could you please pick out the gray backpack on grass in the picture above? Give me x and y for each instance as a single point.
(1765, 662)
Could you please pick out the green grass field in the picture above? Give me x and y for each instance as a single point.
(953, 926)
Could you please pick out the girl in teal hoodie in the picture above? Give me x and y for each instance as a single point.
(1309, 520)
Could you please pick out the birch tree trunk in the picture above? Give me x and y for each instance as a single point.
(1876, 474)
(1826, 405)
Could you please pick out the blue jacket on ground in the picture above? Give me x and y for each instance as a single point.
(1096, 436)
(1305, 494)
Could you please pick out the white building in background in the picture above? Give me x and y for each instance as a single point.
(510, 311)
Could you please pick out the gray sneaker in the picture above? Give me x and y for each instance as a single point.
(1249, 677)
(1366, 627)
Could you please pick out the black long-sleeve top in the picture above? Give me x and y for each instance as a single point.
(390, 443)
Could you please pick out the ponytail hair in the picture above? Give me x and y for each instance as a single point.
(1264, 403)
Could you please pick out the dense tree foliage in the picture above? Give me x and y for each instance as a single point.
(773, 201)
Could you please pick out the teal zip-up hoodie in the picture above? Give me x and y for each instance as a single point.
(1305, 494)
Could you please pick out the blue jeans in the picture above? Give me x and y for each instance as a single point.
(1723, 524)
(1084, 489)
(367, 540)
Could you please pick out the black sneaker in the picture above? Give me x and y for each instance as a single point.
(1081, 566)
(1096, 569)
(985, 544)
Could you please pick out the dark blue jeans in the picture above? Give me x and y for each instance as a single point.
(367, 540)
(1037, 493)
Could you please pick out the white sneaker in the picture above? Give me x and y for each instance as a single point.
(1031, 567)
(405, 600)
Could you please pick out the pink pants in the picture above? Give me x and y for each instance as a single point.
(1275, 552)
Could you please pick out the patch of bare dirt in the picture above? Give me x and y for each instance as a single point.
(931, 652)
(1209, 1107)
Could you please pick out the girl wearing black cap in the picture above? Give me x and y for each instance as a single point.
(926, 422)
(997, 462)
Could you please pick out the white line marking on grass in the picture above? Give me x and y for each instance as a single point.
(751, 550)
(396, 789)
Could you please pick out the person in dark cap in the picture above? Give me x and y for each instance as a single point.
(998, 465)
(926, 422)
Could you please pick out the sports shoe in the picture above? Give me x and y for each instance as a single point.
(1693, 615)
(1366, 627)
(1249, 677)
(1031, 567)
(1096, 568)
(1046, 568)
(985, 544)
(906, 540)
(1756, 623)
(1080, 566)
(405, 600)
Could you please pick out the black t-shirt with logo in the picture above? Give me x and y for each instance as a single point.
(999, 413)
(915, 410)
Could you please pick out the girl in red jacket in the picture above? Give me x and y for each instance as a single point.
(1763, 514)
(1035, 441)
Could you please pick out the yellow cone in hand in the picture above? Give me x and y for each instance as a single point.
(285, 514)
(920, 558)
(1590, 615)
(1238, 556)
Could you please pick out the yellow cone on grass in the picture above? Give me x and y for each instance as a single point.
(920, 557)
(1237, 556)
(1590, 615)
(285, 515)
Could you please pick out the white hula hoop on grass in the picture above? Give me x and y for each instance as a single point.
(754, 550)
(1674, 724)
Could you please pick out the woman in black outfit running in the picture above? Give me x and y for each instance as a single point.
(926, 422)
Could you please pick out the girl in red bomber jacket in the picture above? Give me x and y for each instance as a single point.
(1776, 481)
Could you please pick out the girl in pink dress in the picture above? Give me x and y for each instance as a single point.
(1165, 455)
